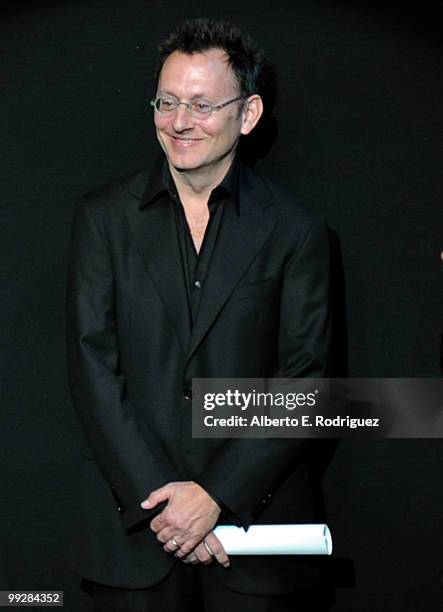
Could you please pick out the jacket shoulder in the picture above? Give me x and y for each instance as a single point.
(116, 192)
(288, 209)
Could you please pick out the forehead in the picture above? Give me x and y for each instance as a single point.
(206, 73)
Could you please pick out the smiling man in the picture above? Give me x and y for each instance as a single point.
(195, 267)
(202, 140)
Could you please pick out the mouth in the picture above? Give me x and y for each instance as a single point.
(185, 140)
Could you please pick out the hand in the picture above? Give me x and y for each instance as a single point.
(189, 516)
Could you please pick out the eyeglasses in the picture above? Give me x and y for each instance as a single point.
(199, 108)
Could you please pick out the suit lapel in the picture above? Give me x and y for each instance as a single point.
(240, 238)
(154, 231)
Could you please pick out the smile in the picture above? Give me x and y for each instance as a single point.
(186, 139)
(184, 144)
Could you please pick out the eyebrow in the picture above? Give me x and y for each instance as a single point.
(194, 97)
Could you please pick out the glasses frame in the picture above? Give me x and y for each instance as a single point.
(193, 113)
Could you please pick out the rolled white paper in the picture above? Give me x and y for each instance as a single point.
(314, 539)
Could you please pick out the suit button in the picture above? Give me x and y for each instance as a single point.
(117, 499)
(188, 394)
(267, 499)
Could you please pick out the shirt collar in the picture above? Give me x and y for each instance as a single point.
(160, 181)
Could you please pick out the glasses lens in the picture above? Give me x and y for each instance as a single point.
(201, 107)
(165, 106)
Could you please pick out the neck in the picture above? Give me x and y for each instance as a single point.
(199, 184)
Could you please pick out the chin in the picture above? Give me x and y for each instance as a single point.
(182, 165)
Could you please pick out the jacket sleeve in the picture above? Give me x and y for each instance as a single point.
(255, 466)
(129, 456)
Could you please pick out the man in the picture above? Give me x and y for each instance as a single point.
(194, 268)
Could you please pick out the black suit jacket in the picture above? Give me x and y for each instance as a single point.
(131, 359)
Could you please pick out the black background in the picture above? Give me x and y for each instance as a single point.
(359, 138)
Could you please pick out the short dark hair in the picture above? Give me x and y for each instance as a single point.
(245, 58)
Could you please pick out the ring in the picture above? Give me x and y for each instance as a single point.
(174, 543)
(208, 548)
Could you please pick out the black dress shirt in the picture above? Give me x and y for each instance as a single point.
(196, 266)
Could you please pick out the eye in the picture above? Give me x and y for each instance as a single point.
(202, 106)
(167, 104)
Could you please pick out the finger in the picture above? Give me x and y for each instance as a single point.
(216, 547)
(203, 554)
(160, 522)
(172, 545)
(167, 534)
(186, 547)
(191, 558)
(156, 497)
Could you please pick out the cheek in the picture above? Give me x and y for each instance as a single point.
(160, 123)
(161, 140)
(161, 133)
(226, 130)
(227, 135)
(218, 135)
(214, 127)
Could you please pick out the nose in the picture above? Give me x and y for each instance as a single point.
(183, 119)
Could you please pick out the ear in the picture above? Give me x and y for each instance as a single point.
(252, 111)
